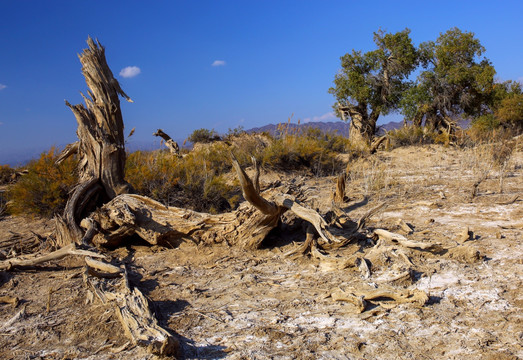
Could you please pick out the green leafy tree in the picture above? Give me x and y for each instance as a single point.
(372, 84)
(503, 90)
(454, 82)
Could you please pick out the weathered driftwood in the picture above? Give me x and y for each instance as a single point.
(305, 248)
(364, 267)
(511, 200)
(482, 177)
(7, 325)
(100, 146)
(19, 244)
(10, 300)
(387, 297)
(67, 250)
(69, 150)
(102, 269)
(138, 322)
(168, 141)
(405, 227)
(401, 240)
(247, 227)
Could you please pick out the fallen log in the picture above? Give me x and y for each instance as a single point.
(386, 297)
(68, 250)
(132, 308)
(401, 240)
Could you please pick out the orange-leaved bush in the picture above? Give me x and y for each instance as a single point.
(44, 190)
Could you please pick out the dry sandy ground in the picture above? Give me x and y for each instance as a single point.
(232, 304)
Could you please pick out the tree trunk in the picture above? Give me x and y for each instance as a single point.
(362, 126)
(101, 145)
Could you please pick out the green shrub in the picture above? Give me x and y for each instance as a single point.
(408, 135)
(483, 128)
(203, 136)
(44, 190)
(233, 133)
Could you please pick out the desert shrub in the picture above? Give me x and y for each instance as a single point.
(408, 135)
(194, 181)
(510, 113)
(309, 149)
(298, 152)
(6, 174)
(440, 137)
(203, 136)
(44, 190)
(199, 180)
(418, 135)
(483, 128)
(235, 132)
(331, 141)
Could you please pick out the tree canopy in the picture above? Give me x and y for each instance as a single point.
(454, 82)
(372, 83)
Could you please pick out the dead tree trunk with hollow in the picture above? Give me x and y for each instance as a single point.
(100, 147)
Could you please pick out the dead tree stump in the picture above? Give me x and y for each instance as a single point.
(169, 142)
(100, 147)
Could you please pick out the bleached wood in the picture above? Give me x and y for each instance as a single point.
(137, 320)
(168, 141)
(67, 250)
(100, 146)
(401, 240)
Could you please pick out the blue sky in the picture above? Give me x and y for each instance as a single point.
(271, 59)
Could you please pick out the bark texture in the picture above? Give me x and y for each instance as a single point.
(362, 124)
(101, 144)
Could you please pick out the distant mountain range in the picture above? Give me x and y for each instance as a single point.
(340, 127)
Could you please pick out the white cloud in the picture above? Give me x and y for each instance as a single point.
(218, 63)
(130, 71)
(325, 117)
(2, 86)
